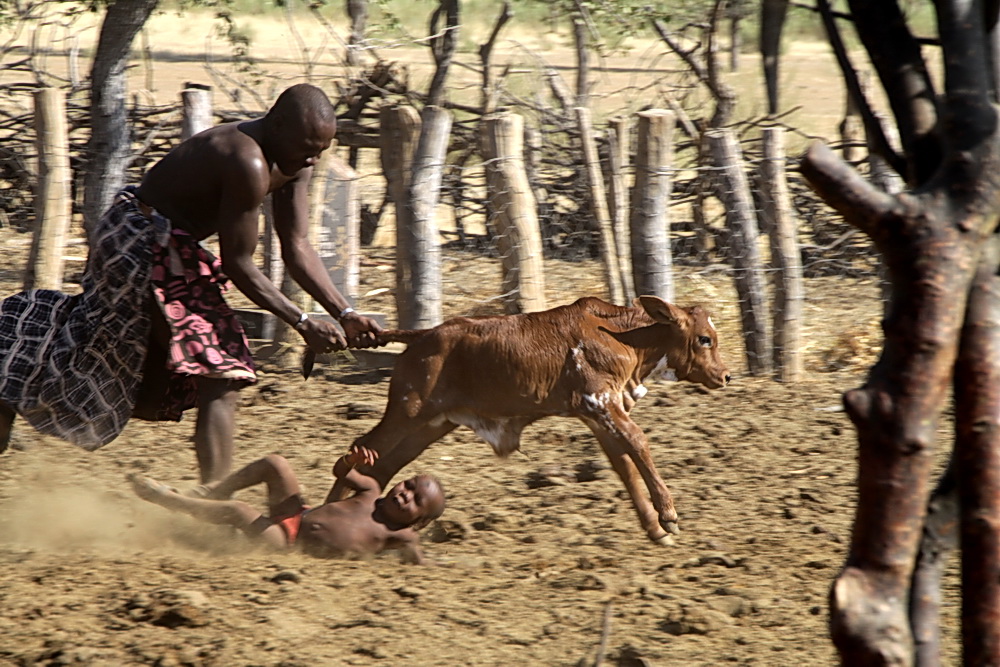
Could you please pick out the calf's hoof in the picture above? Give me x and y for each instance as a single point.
(671, 527)
(665, 535)
(664, 540)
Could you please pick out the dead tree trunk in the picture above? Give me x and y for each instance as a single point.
(748, 270)
(618, 152)
(938, 239)
(599, 206)
(418, 244)
(489, 96)
(52, 199)
(512, 214)
(977, 459)
(108, 150)
(196, 102)
(852, 129)
(443, 42)
(399, 131)
(582, 59)
(357, 12)
(649, 224)
(781, 226)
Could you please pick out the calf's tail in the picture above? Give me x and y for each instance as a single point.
(400, 335)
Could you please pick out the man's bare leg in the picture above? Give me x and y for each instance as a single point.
(215, 428)
(7, 415)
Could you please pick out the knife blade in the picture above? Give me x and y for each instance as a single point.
(308, 361)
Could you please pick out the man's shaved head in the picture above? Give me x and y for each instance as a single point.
(301, 101)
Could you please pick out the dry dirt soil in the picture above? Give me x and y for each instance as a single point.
(531, 564)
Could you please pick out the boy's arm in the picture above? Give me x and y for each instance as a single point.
(344, 471)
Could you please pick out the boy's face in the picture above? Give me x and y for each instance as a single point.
(412, 500)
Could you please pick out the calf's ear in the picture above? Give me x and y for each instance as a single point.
(661, 311)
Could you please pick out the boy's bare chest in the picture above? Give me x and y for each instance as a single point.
(343, 528)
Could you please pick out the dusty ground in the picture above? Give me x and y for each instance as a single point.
(762, 474)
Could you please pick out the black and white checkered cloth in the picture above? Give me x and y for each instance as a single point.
(71, 365)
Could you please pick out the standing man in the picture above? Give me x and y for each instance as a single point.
(151, 335)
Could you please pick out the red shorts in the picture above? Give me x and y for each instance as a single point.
(291, 525)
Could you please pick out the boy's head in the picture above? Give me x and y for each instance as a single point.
(414, 502)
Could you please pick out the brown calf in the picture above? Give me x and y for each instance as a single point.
(587, 360)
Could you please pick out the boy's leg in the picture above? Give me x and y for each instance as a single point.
(272, 470)
(215, 428)
(7, 415)
(234, 513)
(224, 512)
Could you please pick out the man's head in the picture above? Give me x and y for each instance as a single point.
(299, 127)
(414, 502)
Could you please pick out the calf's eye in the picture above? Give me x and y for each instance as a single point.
(704, 341)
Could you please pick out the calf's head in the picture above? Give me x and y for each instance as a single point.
(694, 356)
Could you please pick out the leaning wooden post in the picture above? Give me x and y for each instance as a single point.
(779, 221)
(399, 131)
(418, 245)
(513, 213)
(196, 101)
(734, 192)
(649, 223)
(53, 201)
(599, 206)
(618, 144)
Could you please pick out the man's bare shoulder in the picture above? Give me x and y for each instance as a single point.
(227, 139)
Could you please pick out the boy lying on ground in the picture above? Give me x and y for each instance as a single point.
(363, 524)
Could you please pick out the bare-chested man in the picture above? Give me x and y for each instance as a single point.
(152, 304)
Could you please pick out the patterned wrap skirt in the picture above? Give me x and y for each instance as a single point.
(72, 365)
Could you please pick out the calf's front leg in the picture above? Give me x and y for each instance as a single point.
(397, 444)
(626, 448)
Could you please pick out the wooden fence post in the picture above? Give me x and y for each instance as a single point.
(599, 206)
(274, 268)
(418, 245)
(533, 169)
(196, 102)
(514, 216)
(52, 202)
(852, 128)
(338, 235)
(649, 223)
(398, 135)
(779, 221)
(618, 151)
(748, 273)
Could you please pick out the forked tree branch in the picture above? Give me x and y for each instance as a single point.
(898, 60)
